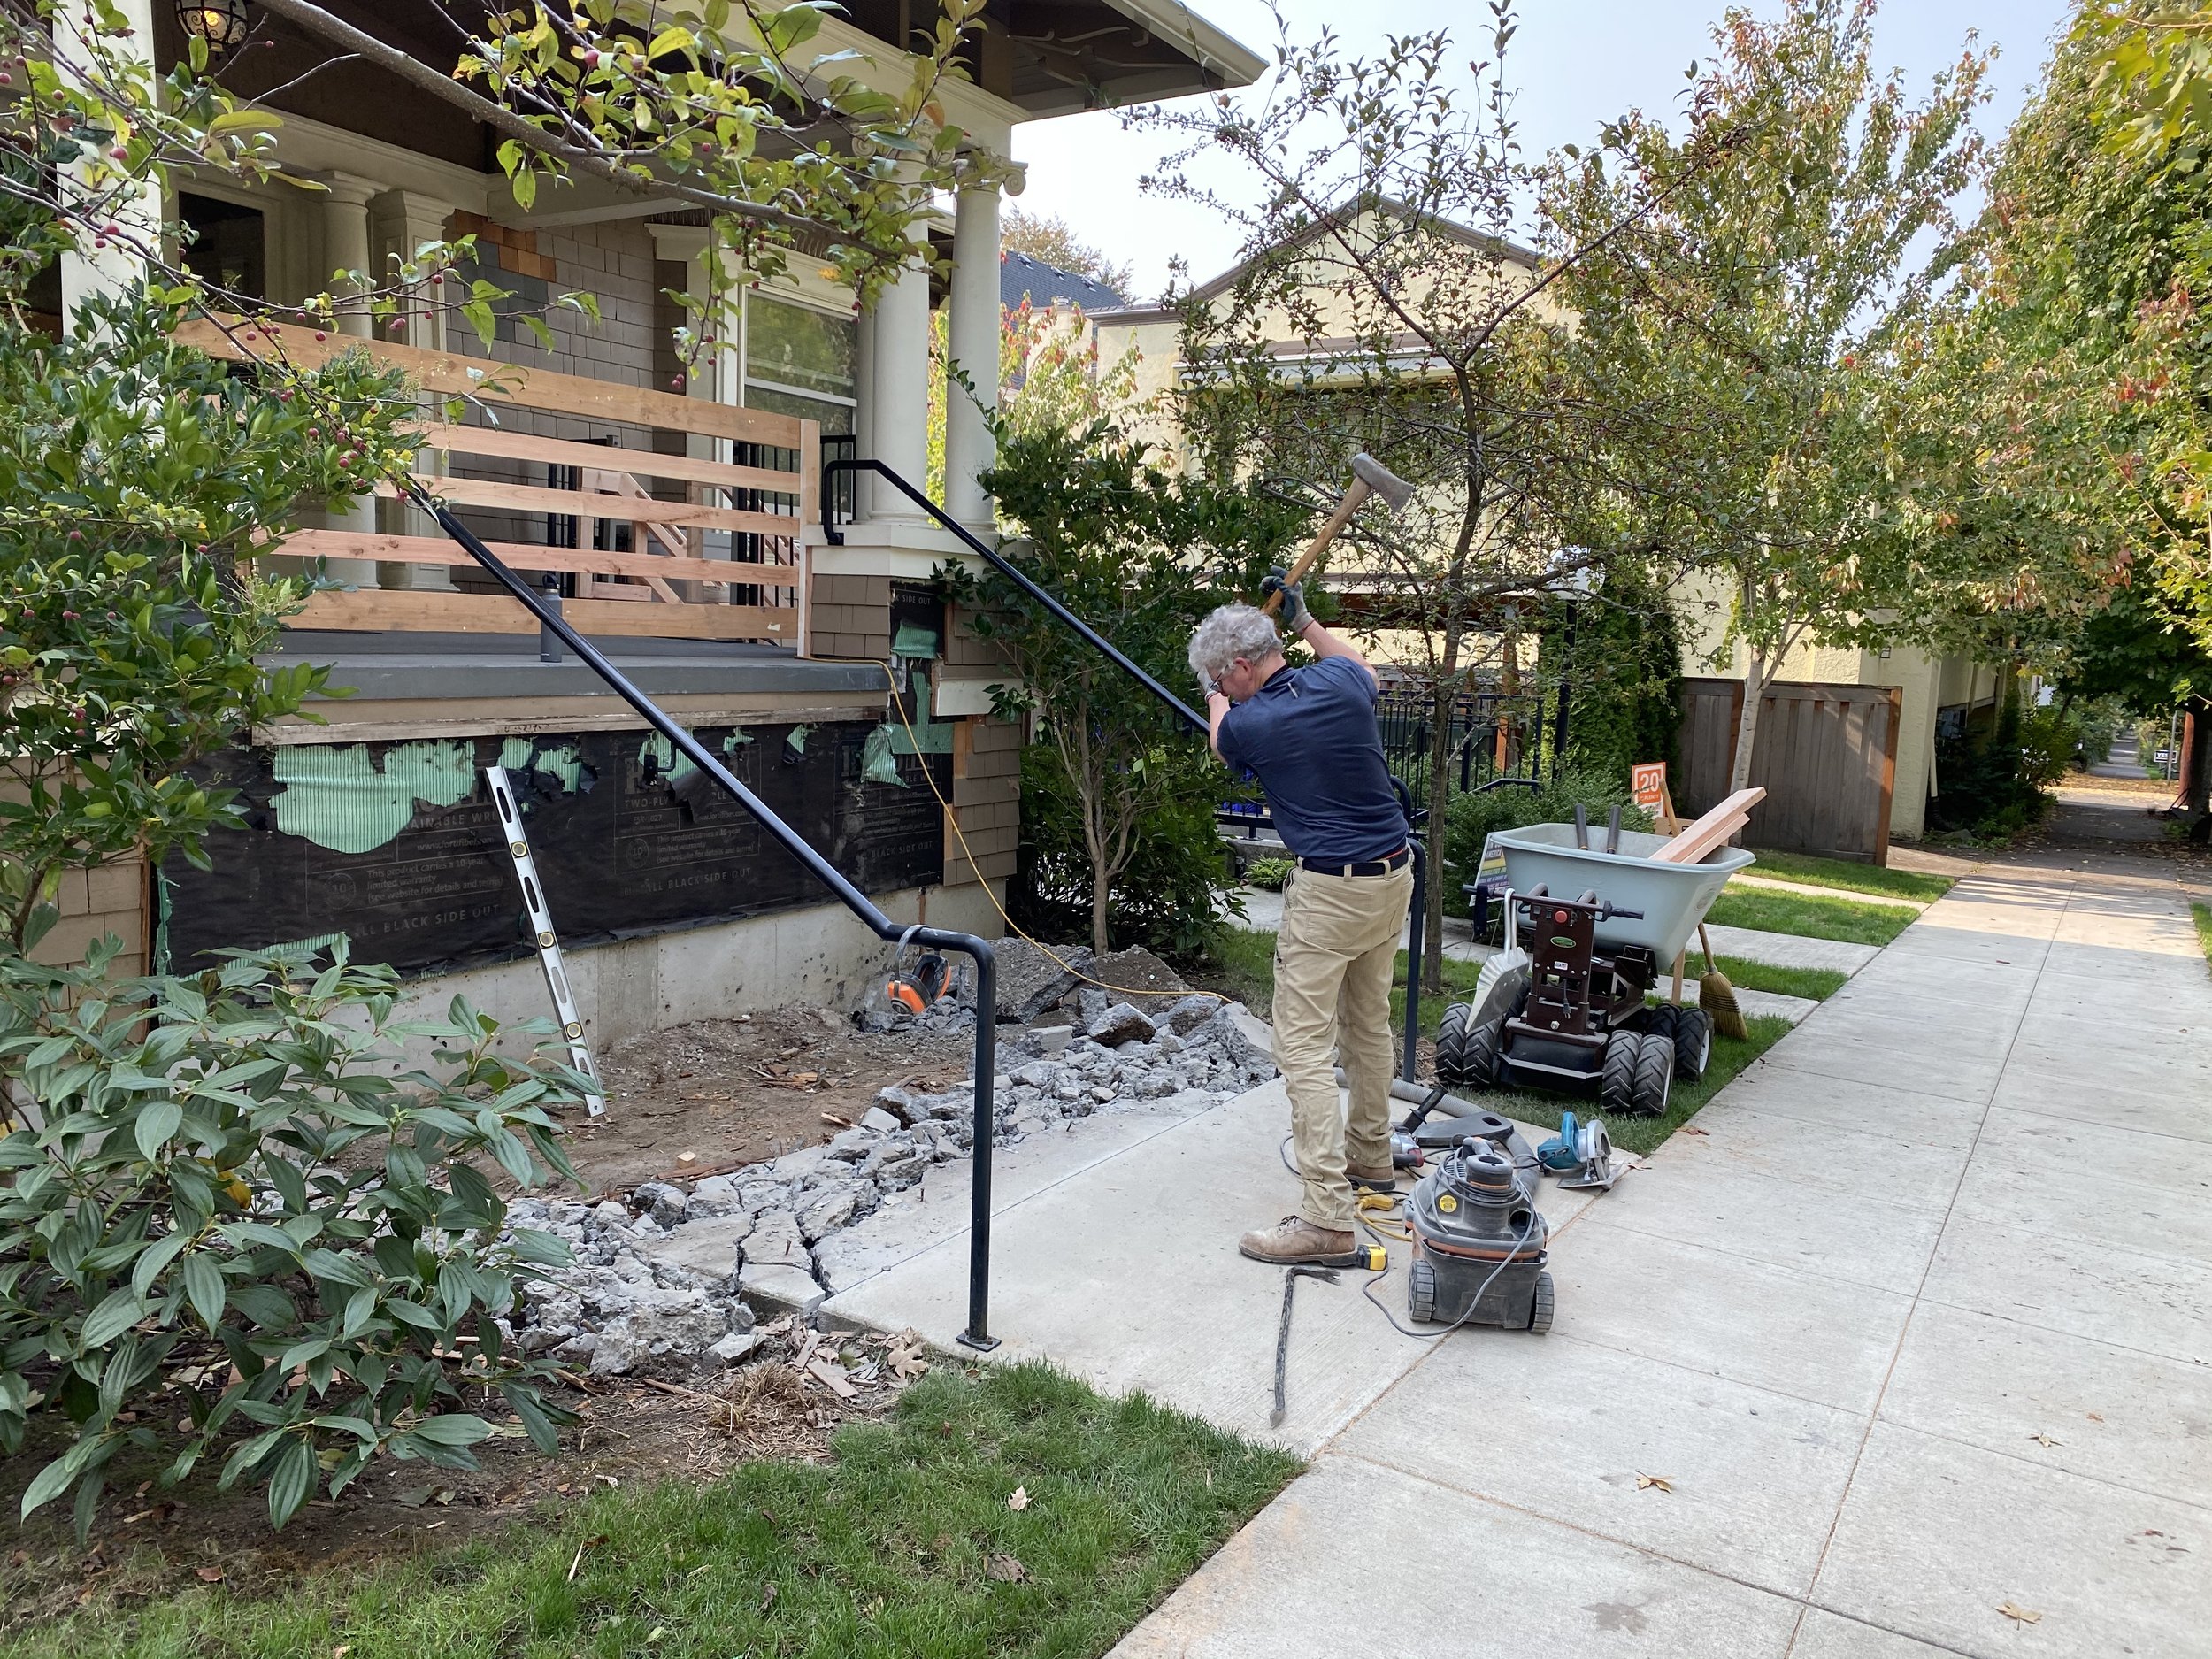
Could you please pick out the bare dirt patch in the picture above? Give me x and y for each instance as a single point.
(786, 1405)
(732, 1092)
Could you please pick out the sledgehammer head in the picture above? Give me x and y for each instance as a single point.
(1382, 480)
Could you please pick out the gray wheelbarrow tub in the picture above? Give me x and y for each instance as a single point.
(1673, 897)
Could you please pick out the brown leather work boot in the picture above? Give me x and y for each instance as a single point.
(1294, 1238)
(1382, 1180)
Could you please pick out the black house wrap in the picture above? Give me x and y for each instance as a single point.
(624, 848)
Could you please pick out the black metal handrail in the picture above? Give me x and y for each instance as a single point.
(1013, 573)
(997, 562)
(977, 1333)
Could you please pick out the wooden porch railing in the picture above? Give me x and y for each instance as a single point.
(663, 585)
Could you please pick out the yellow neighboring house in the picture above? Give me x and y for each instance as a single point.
(1931, 692)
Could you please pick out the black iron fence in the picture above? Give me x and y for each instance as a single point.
(1489, 734)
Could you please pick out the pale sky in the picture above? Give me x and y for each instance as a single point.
(1577, 63)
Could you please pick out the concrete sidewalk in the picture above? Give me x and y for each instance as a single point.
(1917, 1330)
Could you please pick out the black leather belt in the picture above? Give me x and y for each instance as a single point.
(1376, 867)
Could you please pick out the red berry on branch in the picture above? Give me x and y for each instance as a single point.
(68, 616)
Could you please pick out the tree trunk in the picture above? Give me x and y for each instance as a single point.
(1431, 965)
(1754, 685)
(2196, 771)
(1101, 888)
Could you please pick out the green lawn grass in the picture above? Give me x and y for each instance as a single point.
(1243, 966)
(1246, 961)
(1771, 912)
(1855, 878)
(2203, 913)
(897, 1549)
(1815, 984)
(1730, 1055)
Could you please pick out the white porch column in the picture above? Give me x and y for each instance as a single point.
(138, 214)
(899, 425)
(864, 395)
(973, 343)
(401, 222)
(346, 247)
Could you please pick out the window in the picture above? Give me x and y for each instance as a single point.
(225, 244)
(802, 362)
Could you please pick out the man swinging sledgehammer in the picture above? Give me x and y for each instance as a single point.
(1309, 736)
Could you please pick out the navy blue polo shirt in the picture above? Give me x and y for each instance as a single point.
(1308, 734)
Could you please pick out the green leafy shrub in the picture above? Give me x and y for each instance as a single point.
(1991, 782)
(1269, 873)
(1165, 896)
(134, 473)
(1118, 792)
(1470, 818)
(1616, 653)
(231, 1217)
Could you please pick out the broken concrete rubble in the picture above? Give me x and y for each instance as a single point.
(682, 1282)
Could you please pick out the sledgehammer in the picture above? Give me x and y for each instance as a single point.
(1370, 477)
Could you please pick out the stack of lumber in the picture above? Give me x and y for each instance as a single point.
(1714, 830)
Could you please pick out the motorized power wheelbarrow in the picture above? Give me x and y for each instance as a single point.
(1562, 1007)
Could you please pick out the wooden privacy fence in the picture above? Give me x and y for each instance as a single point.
(1826, 756)
(663, 584)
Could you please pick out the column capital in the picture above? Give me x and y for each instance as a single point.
(352, 189)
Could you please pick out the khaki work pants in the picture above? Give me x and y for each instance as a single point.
(1334, 961)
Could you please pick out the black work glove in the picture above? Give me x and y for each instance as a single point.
(1294, 614)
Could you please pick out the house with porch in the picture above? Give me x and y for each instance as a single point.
(683, 521)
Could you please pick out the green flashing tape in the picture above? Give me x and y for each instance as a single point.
(342, 799)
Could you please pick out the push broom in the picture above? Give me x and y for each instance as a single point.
(1715, 994)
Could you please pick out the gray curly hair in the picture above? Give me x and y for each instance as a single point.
(1232, 632)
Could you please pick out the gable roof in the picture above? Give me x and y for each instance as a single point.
(1022, 278)
(1511, 251)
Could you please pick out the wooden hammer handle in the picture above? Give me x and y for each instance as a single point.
(1353, 498)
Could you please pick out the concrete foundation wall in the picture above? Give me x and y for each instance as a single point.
(820, 956)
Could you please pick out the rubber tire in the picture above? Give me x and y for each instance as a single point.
(1692, 1043)
(1421, 1293)
(1481, 1055)
(1616, 1077)
(1540, 1307)
(1654, 1076)
(1451, 1044)
(1665, 1019)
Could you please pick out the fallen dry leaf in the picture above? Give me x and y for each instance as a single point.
(1692, 1129)
(2096, 1417)
(207, 1575)
(2021, 1615)
(1005, 1570)
(1660, 1481)
(342, 1650)
(767, 1597)
(2044, 1440)
(1020, 1500)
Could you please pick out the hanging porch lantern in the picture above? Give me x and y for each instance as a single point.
(222, 24)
